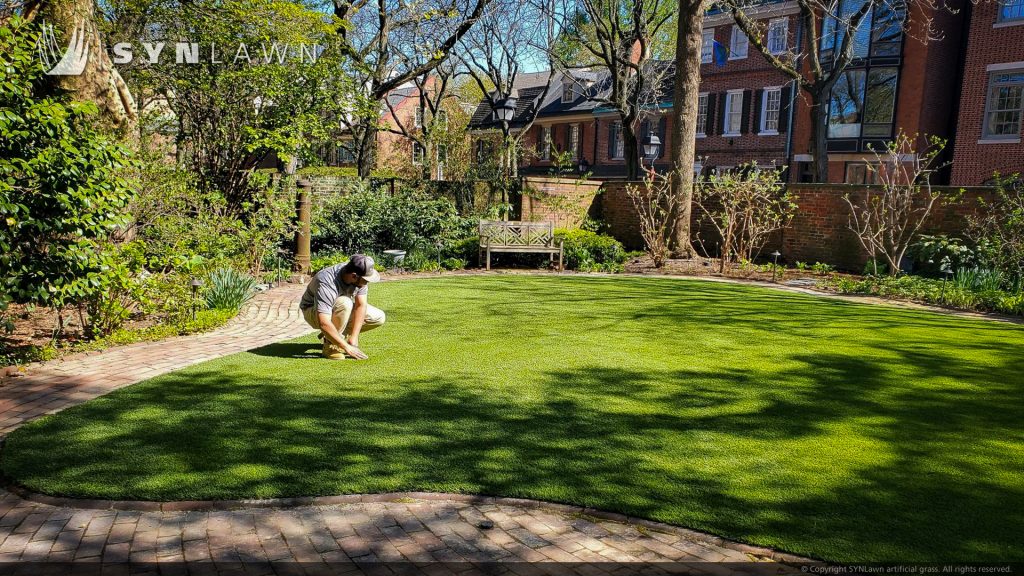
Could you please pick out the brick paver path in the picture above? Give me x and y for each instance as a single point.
(406, 528)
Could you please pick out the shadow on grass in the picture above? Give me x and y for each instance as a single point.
(290, 350)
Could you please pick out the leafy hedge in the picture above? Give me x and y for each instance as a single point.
(588, 251)
(964, 291)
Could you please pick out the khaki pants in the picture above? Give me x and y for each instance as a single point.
(342, 313)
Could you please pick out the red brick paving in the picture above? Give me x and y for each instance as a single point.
(410, 528)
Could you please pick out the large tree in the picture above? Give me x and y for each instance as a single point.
(382, 36)
(98, 82)
(690, 23)
(832, 30)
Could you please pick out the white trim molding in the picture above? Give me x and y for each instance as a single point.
(1005, 66)
(754, 13)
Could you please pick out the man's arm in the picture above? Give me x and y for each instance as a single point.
(332, 334)
(358, 317)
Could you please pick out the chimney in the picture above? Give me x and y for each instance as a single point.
(635, 53)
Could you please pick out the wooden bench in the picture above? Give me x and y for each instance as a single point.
(503, 236)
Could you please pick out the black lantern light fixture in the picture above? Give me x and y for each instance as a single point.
(652, 146)
(947, 273)
(775, 263)
(506, 109)
(196, 283)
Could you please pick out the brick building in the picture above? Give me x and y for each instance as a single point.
(896, 82)
(748, 111)
(992, 97)
(745, 112)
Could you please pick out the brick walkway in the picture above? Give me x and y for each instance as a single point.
(412, 528)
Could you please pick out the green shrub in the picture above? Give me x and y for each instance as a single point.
(591, 252)
(228, 289)
(373, 220)
(63, 185)
(932, 255)
(453, 264)
(322, 260)
(875, 267)
(970, 292)
(822, 268)
(978, 279)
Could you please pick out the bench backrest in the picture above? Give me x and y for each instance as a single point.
(500, 233)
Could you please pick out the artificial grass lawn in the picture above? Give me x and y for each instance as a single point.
(843, 431)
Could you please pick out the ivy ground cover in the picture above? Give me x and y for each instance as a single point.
(844, 431)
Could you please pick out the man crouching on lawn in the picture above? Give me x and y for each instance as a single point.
(335, 303)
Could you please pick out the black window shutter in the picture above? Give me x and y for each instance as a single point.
(611, 140)
(745, 114)
(709, 120)
(540, 140)
(720, 118)
(758, 110)
(662, 124)
(784, 110)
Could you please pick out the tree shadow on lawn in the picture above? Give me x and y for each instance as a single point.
(290, 350)
(843, 466)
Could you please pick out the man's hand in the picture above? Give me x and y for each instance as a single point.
(354, 351)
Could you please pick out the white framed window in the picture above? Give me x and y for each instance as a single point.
(738, 44)
(702, 114)
(1004, 106)
(618, 145)
(545, 143)
(418, 118)
(574, 140)
(733, 113)
(417, 154)
(778, 35)
(771, 107)
(1011, 11)
(707, 46)
(568, 91)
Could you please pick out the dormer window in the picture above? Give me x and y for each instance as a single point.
(568, 92)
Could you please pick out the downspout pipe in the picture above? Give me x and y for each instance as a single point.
(792, 103)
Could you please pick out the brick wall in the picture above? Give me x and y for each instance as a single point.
(562, 201)
(818, 232)
(974, 159)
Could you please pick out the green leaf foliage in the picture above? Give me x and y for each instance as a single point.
(62, 188)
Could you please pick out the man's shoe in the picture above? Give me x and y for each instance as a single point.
(333, 352)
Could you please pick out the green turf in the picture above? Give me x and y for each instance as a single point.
(843, 431)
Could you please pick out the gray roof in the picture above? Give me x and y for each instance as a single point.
(592, 84)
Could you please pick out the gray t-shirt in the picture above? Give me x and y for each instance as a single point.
(325, 287)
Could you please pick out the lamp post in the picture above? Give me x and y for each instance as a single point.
(946, 273)
(196, 283)
(506, 109)
(504, 112)
(775, 263)
(652, 147)
(302, 253)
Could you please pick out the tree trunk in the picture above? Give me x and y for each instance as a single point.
(684, 119)
(366, 150)
(99, 82)
(819, 134)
